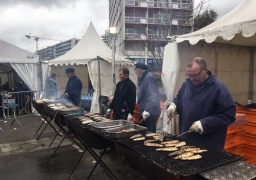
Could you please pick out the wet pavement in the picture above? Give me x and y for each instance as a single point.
(23, 157)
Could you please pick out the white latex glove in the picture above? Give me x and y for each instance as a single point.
(65, 95)
(108, 111)
(129, 118)
(196, 127)
(171, 111)
(145, 115)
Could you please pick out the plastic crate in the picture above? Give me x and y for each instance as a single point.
(249, 137)
(234, 136)
(250, 126)
(250, 114)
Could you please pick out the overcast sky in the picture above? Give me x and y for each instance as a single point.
(62, 19)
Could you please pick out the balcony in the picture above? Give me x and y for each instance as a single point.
(155, 4)
(132, 36)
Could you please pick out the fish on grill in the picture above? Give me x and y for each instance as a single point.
(139, 139)
(180, 144)
(199, 150)
(87, 121)
(153, 145)
(185, 147)
(167, 149)
(170, 142)
(191, 149)
(149, 141)
(183, 155)
(127, 130)
(135, 136)
(169, 145)
(157, 138)
(151, 134)
(176, 153)
(194, 157)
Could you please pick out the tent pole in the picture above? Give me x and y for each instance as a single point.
(251, 74)
(99, 81)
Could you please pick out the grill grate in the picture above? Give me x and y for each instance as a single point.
(210, 159)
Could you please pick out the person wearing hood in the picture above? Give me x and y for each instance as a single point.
(51, 86)
(148, 98)
(204, 105)
(73, 87)
(124, 99)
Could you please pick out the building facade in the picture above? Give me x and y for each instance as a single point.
(52, 52)
(143, 26)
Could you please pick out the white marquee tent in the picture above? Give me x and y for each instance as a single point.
(23, 62)
(88, 51)
(227, 45)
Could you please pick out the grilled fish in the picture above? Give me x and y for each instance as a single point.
(190, 149)
(176, 153)
(153, 145)
(136, 136)
(194, 157)
(149, 141)
(151, 134)
(183, 143)
(184, 147)
(199, 151)
(139, 139)
(169, 145)
(170, 142)
(183, 155)
(167, 149)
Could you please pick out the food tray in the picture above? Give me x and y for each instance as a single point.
(99, 127)
(46, 102)
(116, 134)
(68, 111)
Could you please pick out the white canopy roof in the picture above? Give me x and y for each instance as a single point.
(234, 28)
(89, 48)
(10, 53)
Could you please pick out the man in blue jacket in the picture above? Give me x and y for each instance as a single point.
(73, 87)
(148, 98)
(204, 105)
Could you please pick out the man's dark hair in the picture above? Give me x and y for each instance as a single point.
(125, 70)
(200, 61)
(52, 75)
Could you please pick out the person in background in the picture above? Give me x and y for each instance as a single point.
(204, 105)
(73, 87)
(148, 98)
(124, 99)
(51, 86)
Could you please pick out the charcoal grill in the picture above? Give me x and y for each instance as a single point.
(89, 140)
(46, 118)
(210, 159)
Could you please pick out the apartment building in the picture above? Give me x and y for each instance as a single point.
(52, 52)
(143, 26)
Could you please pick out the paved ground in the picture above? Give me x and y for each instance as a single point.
(23, 157)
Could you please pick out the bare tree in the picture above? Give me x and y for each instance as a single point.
(205, 18)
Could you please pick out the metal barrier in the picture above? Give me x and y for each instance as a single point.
(19, 104)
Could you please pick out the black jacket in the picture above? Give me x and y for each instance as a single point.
(124, 98)
(74, 88)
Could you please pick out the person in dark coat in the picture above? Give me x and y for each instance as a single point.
(73, 87)
(51, 86)
(204, 105)
(148, 98)
(124, 98)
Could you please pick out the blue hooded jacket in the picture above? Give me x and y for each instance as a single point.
(212, 104)
(148, 97)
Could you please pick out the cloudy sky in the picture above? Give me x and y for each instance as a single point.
(62, 19)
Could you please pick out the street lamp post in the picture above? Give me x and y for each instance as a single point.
(113, 33)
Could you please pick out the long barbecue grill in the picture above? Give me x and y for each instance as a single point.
(158, 165)
(210, 159)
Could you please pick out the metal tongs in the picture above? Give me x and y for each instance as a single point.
(182, 133)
